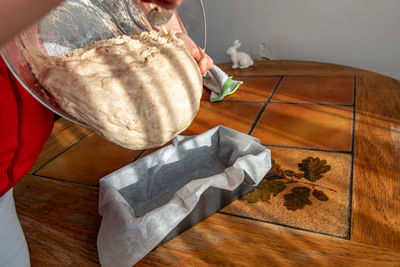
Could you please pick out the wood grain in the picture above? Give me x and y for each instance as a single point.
(294, 68)
(376, 194)
(88, 161)
(223, 240)
(64, 135)
(60, 221)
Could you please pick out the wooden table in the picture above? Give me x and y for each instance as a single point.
(332, 196)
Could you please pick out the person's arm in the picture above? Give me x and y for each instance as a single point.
(15, 15)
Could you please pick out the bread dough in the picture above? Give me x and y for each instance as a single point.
(136, 91)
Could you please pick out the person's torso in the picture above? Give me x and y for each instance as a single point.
(25, 125)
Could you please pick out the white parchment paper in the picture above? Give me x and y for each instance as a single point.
(142, 202)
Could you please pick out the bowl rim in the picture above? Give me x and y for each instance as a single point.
(4, 54)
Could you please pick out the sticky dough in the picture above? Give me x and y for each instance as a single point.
(137, 91)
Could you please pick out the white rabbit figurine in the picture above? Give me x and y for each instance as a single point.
(239, 59)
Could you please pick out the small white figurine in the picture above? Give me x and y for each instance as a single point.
(264, 52)
(239, 59)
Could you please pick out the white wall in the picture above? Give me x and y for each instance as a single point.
(359, 33)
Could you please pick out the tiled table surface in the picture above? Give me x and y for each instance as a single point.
(332, 196)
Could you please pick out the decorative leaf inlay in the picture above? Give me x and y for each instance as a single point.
(313, 168)
(276, 187)
(289, 173)
(277, 181)
(320, 195)
(264, 190)
(297, 199)
(275, 172)
(253, 196)
(298, 175)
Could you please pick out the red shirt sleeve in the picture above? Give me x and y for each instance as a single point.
(25, 125)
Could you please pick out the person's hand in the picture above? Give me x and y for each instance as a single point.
(167, 4)
(204, 61)
(175, 24)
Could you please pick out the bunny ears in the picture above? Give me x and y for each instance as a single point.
(237, 44)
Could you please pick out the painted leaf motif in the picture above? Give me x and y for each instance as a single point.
(264, 190)
(298, 175)
(318, 194)
(275, 187)
(265, 195)
(297, 199)
(275, 172)
(252, 197)
(313, 168)
(289, 173)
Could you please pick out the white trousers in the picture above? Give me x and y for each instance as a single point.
(13, 248)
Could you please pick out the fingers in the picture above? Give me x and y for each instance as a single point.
(167, 4)
(205, 64)
(204, 61)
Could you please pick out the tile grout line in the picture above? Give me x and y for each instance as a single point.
(309, 148)
(313, 149)
(262, 76)
(66, 149)
(279, 224)
(313, 104)
(284, 103)
(291, 75)
(235, 101)
(265, 105)
(65, 181)
(350, 208)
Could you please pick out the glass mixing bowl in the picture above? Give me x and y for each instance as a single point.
(77, 23)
